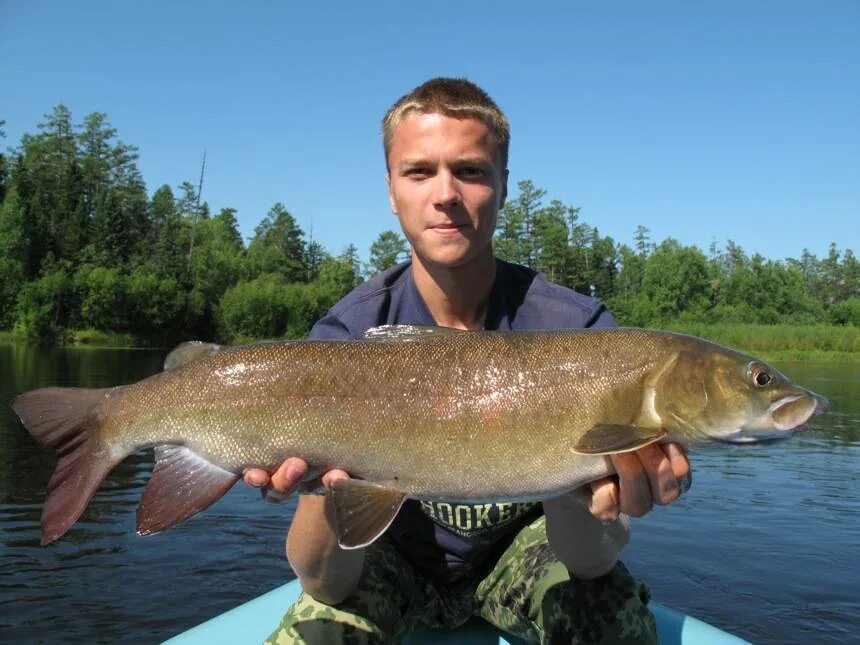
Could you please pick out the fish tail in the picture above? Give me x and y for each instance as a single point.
(68, 420)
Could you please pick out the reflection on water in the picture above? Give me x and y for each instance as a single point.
(764, 544)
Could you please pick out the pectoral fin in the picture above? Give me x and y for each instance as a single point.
(608, 439)
(182, 485)
(362, 511)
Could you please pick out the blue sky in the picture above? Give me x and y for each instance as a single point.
(702, 121)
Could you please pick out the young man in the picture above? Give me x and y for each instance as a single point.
(547, 572)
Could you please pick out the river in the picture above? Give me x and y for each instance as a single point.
(765, 544)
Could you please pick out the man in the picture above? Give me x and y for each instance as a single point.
(546, 572)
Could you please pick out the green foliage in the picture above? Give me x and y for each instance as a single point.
(10, 286)
(215, 265)
(270, 307)
(255, 308)
(100, 338)
(83, 248)
(846, 312)
(155, 302)
(169, 235)
(387, 250)
(278, 247)
(652, 285)
(45, 305)
(101, 293)
(514, 239)
(675, 280)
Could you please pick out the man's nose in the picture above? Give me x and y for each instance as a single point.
(447, 192)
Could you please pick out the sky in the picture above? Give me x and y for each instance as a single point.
(705, 122)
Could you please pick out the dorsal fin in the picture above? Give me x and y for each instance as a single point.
(408, 332)
(189, 351)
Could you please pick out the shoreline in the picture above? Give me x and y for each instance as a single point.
(773, 343)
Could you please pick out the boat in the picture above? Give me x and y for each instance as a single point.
(256, 619)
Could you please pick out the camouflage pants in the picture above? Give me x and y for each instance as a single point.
(528, 593)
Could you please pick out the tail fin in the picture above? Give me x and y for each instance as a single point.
(68, 420)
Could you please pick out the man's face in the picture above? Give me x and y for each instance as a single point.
(446, 186)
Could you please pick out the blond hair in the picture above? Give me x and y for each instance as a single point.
(454, 97)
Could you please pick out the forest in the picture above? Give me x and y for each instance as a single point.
(84, 248)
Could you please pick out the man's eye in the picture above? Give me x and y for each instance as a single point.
(417, 173)
(471, 172)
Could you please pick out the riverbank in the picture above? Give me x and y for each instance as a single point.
(783, 342)
(768, 342)
(88, 338)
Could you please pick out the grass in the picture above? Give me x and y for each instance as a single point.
(96, 338)
(79, 337)
(783, 342)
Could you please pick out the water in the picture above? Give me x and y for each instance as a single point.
(765, 544)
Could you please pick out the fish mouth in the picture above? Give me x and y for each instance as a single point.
(783, 418)
(792, 412)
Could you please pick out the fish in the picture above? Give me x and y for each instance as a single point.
(410, 412)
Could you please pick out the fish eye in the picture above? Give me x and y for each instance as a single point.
(761, 377)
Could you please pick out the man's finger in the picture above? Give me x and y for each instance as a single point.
(604, 499)
(662, 481)
(332, 476)
(283, 481)
(255, 477)
(635, 490)
(680, 465)
(288, 475)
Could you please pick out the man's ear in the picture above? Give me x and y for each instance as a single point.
(504, 189)
(391, 201)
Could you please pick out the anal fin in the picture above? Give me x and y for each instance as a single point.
(608, 439)
(182, 485)
(362, 510)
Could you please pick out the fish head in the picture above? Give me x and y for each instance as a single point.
(711, 393)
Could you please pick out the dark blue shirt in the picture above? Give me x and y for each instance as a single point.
(452, 541)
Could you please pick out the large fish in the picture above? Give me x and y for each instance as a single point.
(410, 412)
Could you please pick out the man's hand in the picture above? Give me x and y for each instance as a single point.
(282, 482)
(326, 572)
(655, 474)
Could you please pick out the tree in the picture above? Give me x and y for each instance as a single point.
(341, 274)
(4, 167)
(101, 293)
(48, 180)
(387, 250)
(579, 256)
(850, 276)
(514, 240)
(315, 254)
(551, 241)
(13, 255)
(215, 266)
(167, 235)
(603, 265)
(675, 281)
(156, 303)
(278, 246)
(46, 305)
(642, 241)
